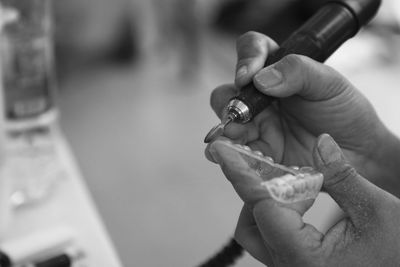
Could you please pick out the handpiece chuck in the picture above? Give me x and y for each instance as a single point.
(237, 111)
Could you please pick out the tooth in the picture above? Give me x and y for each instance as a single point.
(307, 169)
(287, 187)
(289, 192)
(275, 190)
(299, 186)
(247, 148)
(296, 187)
(288, 178)
(258, 153)
(300, 175)
(311, 185)
(270, 159)
(304, 186)
(280, 182)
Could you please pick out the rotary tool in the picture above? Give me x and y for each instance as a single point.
(333, 24)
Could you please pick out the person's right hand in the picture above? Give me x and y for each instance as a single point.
(313, 99)
(275, 233)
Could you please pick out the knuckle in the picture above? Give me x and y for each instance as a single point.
(337, 177)
(294, 69)
(308, 76)
(295, 61)
(307, 66)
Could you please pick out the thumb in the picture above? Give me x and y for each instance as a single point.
(358, 198)
(300, 75)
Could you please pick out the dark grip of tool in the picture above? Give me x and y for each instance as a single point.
(58, 261)
(363, 10)
(318, 38)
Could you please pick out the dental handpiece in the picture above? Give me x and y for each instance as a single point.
(333, 24)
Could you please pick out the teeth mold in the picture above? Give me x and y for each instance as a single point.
(284, 184)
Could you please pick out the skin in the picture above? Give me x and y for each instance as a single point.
(313, 99)
(275, 233)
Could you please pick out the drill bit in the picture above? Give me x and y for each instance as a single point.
(218, 129)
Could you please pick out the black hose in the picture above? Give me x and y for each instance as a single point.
(227, 256)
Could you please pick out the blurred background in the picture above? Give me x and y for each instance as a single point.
(135, 78)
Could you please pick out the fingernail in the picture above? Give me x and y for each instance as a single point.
(241, 72)
(329, 151)
(210, 156)
(215, 156)
(268, 77)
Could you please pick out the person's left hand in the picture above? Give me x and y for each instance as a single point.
(275, 233)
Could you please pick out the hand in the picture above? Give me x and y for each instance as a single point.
(275, 233)
(313, 99)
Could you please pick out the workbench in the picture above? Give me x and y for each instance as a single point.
(67, 205)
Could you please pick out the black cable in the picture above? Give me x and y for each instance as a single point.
(227, 256)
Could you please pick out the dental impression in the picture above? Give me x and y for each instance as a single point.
(284, 184)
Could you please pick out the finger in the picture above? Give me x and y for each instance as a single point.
(267, 121)
(269, 143)
(249, 237)
(252, 51)
(262, 127)
(284, 230)
(295, 74)
(281, 225)
(359, 199)
(220, 97)
(244, 179)
(243, 133)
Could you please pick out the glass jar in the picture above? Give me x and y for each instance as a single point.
(28, 83)
(27, 59)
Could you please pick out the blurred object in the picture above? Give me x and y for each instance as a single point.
(389, 15)
(168, 34)
(37, 155)
(6, 189)
(377, 44)
(27, 62)
(179, 34)
(32, 163)
(396, 10)
(92, 31)
(6, 15)
(276, 19)
(70, 205)
(68, 258)
(375, 47)
(37, 245)
(28, 82)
